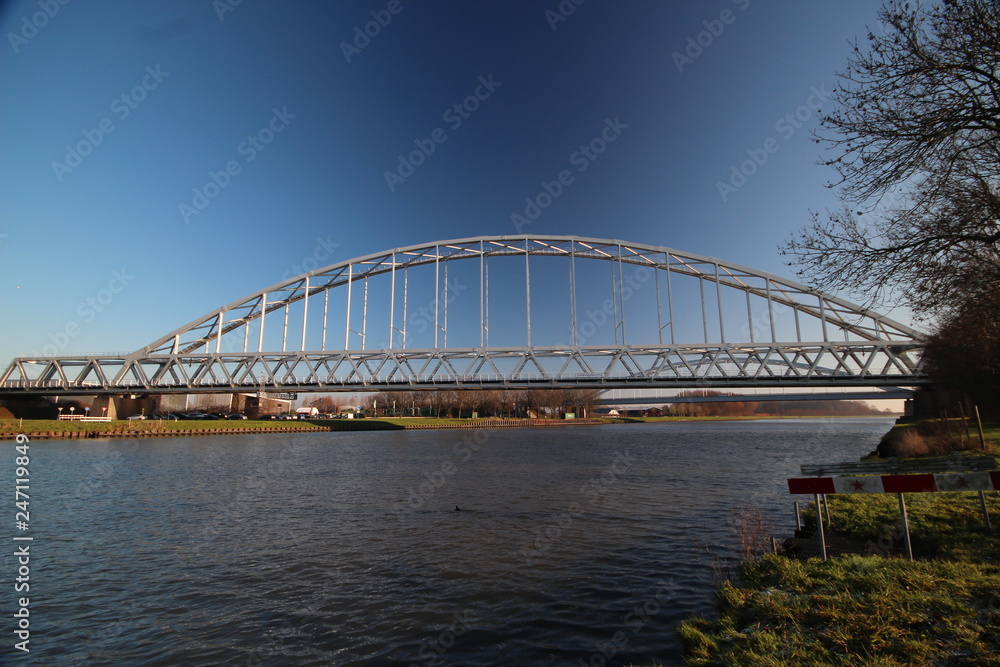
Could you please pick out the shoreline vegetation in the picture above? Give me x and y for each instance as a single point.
(56, 429)
(874, 607)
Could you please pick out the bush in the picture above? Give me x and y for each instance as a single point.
(926, 438)
(6, 414)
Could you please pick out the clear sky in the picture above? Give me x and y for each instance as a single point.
(160, 159)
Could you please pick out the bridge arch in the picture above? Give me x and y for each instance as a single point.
(326, 329)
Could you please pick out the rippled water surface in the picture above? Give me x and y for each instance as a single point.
(573, 545)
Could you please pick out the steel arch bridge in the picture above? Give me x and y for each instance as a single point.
(564, 312)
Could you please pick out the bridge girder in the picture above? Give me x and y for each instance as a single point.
(876, 350)
(676, 366)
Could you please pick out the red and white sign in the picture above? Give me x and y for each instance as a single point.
(964, 481)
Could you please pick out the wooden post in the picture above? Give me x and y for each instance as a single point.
(826, 508)
(964, 432)
(979, 423)
(798, 516)
(906, 527)
(986, 512)
(819, 526)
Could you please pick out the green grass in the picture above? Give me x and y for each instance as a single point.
(11, 427)
(29, 426)
(942, 525)
(942, 609)
(425, 421)
(855, 610)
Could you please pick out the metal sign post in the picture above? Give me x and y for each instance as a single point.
(899, 484)
(906, 526)
(819, 524)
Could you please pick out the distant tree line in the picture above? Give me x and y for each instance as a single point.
(511, 403)
(824, 408)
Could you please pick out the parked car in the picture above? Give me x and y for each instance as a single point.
(236, 416)
(136, 418)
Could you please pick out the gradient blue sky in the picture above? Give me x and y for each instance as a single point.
(199, 81)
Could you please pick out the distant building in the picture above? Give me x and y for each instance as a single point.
(252, 405)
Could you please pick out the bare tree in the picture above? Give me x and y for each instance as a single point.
(324, 404)
(915, 136)
(963, 354)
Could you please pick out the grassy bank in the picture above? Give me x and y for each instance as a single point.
(51, 428)
(855, 610)
(59, 428)
(39, 426)
(936, 437)
(875, 609)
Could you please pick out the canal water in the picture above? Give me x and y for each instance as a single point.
(546, 546)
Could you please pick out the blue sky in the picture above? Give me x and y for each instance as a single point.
(160, 159)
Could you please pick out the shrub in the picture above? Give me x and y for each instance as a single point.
(927, 438)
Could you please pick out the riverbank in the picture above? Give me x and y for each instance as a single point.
(56, 429)
(876, 608)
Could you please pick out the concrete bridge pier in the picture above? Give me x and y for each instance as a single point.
(121, 407)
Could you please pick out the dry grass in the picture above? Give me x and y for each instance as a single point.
(755, 531)
(936, 437)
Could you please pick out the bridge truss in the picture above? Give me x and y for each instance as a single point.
(630, 315)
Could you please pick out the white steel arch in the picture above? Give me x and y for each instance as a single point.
(227, 349)
(831, 309)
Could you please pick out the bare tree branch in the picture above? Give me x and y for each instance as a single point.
(915, 141)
